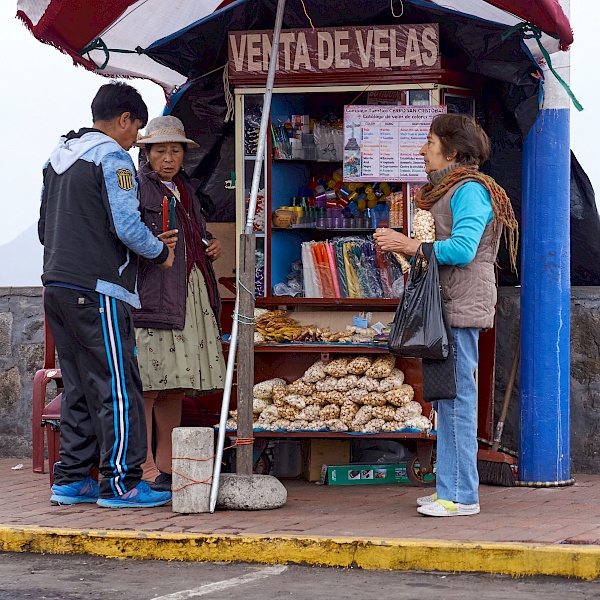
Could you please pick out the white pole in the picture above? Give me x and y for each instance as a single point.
(260, 153)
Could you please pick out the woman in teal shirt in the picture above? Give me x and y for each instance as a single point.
(470, 211)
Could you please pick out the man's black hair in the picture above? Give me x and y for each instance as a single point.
(116, 98)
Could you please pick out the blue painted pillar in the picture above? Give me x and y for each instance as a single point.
(544, 448)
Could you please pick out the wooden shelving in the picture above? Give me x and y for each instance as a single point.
(322, 348)
(342, 435)
(358, 303)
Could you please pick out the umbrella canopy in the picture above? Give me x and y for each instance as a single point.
(117, 38)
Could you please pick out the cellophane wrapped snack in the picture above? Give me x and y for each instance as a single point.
(264, 389)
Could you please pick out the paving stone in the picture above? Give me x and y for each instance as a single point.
(569, 515)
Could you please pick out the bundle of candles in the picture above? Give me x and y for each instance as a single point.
(348, 267)
(168, 213)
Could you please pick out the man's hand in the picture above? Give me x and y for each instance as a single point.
(170, 239)
(169, 262)
(214, 250)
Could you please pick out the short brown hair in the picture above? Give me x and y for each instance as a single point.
(463, 135)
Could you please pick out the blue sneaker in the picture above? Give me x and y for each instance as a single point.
(75, 493)
(141, 496)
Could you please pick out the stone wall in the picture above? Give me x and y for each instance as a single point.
(21, 354)
(585, 373)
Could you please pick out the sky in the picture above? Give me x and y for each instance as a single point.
(44, 96)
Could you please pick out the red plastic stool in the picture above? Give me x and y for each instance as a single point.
(42, 378)
(51, 421)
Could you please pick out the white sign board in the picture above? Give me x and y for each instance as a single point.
(382, 143)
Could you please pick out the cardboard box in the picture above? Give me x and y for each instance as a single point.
(361, 474)
(316, 451)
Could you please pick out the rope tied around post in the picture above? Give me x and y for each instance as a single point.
(208, 481)
(529, 30)
(237, 316)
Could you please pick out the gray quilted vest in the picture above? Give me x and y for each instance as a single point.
(469, 292)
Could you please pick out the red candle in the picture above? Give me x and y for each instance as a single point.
(165, 214)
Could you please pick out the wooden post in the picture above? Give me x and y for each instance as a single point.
(245, 362)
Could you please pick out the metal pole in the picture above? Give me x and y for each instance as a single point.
(544, 446)
(260, 153)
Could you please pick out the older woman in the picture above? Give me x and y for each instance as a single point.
(470, 210)
(177, 332)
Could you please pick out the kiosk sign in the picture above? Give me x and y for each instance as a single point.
(336, 49)
(382, 143)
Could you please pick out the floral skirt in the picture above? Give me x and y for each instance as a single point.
(190, 359)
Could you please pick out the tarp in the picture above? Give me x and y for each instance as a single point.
(72, 25)
(585, 229)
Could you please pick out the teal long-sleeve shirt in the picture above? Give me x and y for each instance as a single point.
(471, 207)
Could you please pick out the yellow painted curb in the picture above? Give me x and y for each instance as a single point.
(395, 554)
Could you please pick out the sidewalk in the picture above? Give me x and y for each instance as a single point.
(520, 531)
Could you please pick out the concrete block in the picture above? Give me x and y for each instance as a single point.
(250, 492)
(193, 443)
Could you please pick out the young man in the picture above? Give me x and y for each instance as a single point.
(91, 230)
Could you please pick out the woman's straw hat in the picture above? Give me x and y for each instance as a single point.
(163, 130)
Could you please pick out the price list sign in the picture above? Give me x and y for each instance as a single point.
(382, 143)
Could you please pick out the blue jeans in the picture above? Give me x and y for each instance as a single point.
(456, 458)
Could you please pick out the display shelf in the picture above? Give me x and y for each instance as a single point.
(323, 348)
(358, 303)
(392, 435)
(334, 229)
(286, 178)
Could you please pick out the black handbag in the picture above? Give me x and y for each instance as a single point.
(439, 376)
(418, 329)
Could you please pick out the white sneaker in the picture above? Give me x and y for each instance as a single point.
(423, 500)
(445, 508)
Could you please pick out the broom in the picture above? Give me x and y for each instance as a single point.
(496, 468)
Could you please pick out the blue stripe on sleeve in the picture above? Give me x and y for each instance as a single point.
(471, 207)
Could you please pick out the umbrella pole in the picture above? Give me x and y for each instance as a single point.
(248, 262)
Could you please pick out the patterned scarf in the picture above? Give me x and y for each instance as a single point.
(195, 252)
(431, 192)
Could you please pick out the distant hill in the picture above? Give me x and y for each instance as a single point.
(21, 260)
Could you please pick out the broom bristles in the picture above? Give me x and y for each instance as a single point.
(495, 473)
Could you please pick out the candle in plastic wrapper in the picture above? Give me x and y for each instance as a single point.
(321, 200)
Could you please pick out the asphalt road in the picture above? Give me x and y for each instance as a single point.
(39, 577)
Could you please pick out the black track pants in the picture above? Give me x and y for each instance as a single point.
(102, 410)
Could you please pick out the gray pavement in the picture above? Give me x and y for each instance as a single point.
(77, 577)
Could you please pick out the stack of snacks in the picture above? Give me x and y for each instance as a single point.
(361, 394)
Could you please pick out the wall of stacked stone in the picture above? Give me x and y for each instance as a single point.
(585, 373)
(21, 354)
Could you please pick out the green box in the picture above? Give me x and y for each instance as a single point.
(362, 474)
